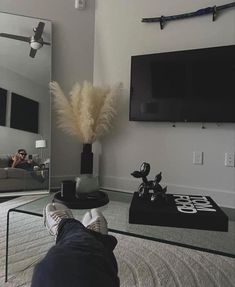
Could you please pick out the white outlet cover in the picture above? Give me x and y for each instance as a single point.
(229, 159)
(198, 157)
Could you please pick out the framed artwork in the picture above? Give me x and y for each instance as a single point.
(24, 113)
(3, 106)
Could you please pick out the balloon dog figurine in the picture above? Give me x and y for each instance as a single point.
(147, 185)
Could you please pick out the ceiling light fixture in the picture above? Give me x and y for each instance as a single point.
(36, 44)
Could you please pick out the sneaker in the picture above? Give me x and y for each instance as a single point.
(94, 220)
(53, 213)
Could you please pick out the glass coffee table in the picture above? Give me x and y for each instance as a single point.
(117, 214)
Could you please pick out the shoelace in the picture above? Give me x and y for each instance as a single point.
(98, 225)
(57, 215)
(95, 226)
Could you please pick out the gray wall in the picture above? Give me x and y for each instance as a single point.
(73, 46)
(119, 34)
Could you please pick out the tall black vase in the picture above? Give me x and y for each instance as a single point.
(86, 182)
(86, 159)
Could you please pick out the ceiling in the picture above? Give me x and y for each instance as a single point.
(14, 54)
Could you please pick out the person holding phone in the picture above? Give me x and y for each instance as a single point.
(19, 160)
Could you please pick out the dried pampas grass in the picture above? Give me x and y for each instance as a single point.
(88, 111)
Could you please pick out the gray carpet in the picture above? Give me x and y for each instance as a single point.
(141, 263)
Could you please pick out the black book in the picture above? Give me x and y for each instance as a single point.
(178, 210)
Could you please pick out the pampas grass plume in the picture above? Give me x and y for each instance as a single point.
(88, 112)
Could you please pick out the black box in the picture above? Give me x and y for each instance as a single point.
(68, 189)
(178, 210)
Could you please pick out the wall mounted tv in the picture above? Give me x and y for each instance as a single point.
(184, 86)
(3, 105)
(24, 113)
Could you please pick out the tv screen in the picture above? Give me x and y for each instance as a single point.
(184, 86)
(24, 113)
(3, 104)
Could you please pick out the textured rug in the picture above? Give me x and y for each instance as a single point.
(141, 263)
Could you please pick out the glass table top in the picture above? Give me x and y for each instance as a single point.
(117, 214)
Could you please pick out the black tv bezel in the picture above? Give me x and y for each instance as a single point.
(172, 53)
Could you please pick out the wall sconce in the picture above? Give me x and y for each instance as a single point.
(40, 144)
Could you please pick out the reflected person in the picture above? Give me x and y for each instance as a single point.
(19, 160)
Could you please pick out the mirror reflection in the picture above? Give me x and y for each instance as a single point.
(25, 72)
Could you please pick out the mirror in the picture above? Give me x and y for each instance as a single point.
(25, 72)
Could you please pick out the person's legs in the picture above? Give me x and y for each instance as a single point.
(81, 257)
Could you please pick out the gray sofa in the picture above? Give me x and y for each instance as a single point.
(17, 179)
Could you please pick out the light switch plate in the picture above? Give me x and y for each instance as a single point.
(197, 157)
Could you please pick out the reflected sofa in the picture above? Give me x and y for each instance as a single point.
(17, 179)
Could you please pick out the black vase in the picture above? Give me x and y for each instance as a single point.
(87, 159)
(86, 183)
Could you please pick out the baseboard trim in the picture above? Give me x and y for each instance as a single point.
(21, 193)
(224, 198)
(6, 198)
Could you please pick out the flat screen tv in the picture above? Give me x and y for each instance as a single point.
(184, 86)
(3, 104)
(24, 113)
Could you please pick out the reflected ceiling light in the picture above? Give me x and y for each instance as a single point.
(36, 44)
(36, 41)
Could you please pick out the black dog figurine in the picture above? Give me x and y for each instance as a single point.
(147, 185)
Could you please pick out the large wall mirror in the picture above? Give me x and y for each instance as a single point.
(25, 72)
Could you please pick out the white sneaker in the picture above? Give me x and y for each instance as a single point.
(53, 213)
(94, 220)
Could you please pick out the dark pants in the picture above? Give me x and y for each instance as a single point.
(80, 258)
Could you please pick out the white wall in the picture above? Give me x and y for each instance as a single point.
(72, 60)
(119, 34)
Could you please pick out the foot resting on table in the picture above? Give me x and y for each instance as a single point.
(53, 213)
(94, 220)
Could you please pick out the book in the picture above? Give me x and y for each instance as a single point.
(178, 210)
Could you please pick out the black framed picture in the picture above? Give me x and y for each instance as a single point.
(3, 106)
(24, 113)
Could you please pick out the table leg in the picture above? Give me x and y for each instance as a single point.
(7, 247)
